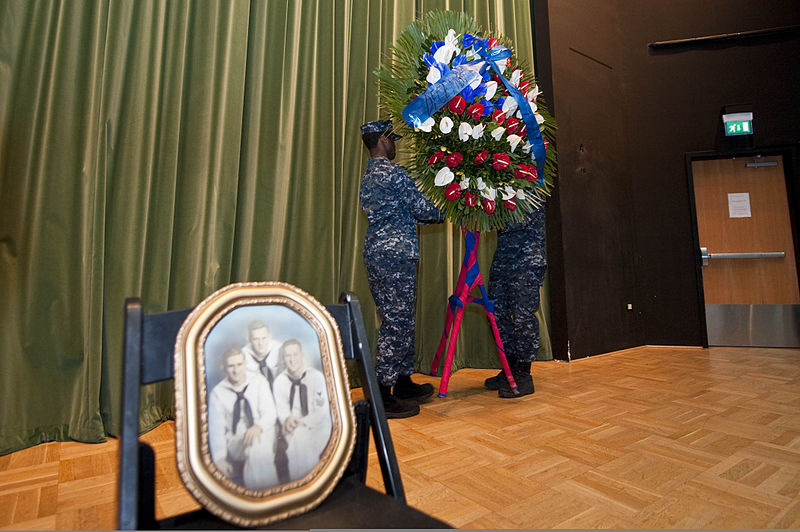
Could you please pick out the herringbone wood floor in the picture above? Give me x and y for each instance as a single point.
(651, 437)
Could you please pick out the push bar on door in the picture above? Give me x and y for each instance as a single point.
(705, 255)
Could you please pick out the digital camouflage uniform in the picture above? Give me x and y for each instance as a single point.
(394, 207)
(517, 272)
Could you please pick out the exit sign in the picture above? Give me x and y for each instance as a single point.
(738, 124)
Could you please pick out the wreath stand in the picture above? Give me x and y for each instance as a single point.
(468, 279)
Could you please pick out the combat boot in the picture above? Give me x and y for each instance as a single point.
(397, 408)
(411, 391)
(521, 371)
(494, 383)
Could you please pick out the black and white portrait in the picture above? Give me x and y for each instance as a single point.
(269, 415)
(264, 420)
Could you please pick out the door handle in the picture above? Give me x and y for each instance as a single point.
(706, 256)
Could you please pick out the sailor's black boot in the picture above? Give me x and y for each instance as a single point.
(397, 408)
(494, 383)
(521, 371)
(411, 391)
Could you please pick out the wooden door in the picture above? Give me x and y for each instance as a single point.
(742, 207)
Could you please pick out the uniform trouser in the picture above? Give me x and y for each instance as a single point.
(514, 288)
(393, 284)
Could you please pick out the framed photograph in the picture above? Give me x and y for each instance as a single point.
(264, 424)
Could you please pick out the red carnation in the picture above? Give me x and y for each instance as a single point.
(488, 205)
(452, 192)
(470, 199)
(436, 157)
(498, 116)
(457, 105)
(481, 157)
(511, 204)
(475, 111)
(500, 161)
(511, 125)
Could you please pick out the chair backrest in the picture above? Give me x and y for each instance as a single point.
(149, 341)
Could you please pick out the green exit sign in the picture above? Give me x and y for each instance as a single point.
(740, 127)
(738, 124)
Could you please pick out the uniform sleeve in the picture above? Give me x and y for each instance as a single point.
(519, 226)
(216, 427)
(422, 209)
(527, 221)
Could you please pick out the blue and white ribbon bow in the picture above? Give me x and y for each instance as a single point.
(456, 79)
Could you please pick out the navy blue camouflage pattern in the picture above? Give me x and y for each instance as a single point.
(383, 127)
(517, 272)
(394, 207)
(394, 288)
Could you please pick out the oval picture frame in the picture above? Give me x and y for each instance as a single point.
(257, 442)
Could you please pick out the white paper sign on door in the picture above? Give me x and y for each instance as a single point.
(739, 205)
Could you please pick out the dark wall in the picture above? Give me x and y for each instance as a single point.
(620, 228)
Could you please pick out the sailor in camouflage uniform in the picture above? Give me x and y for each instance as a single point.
(394, 207)
(517, 272)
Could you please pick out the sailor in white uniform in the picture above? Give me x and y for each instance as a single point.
(241, 425)
(301, 399)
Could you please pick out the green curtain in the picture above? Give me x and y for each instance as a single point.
(163, 149)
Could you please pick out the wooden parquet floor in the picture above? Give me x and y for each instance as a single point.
(651, 437)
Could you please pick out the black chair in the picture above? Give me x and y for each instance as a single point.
(148, 350)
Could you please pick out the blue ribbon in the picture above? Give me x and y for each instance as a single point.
(453, 82)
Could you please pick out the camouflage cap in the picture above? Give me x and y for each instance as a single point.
(384, 127)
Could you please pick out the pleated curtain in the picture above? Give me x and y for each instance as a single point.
(163, 149)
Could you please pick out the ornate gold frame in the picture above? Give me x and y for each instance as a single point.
(209, 485)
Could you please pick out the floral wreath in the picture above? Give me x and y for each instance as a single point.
(479, 140)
